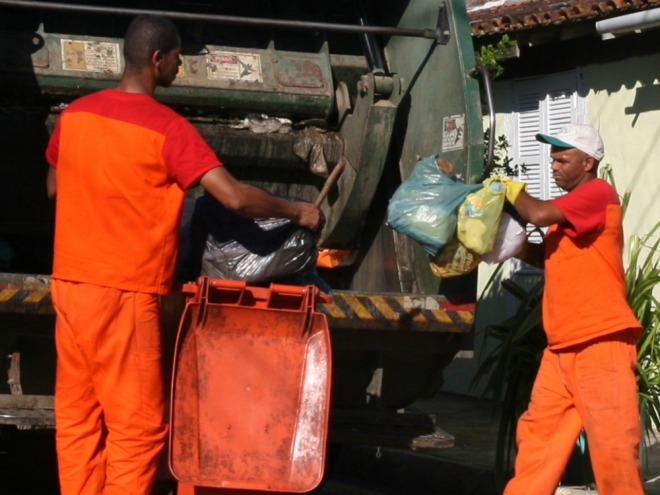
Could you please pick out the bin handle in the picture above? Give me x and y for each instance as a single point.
(304, 298)
(206, 284)
(227, 284)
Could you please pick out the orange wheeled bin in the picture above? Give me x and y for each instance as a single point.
(250, 389)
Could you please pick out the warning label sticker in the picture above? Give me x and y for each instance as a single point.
(91, 56)
(453, 132)
(232, 66)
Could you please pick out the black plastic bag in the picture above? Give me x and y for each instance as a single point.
(229, 246)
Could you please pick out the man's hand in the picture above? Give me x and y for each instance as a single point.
(513, 189)
(308, 215)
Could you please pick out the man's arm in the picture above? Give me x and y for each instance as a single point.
(253, 202)
(51, 183)
(538, 212)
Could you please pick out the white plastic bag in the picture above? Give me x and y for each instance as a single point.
(510, 239)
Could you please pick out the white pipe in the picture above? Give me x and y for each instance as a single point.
(630, 22)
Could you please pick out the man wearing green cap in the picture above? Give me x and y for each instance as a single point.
(586, 379)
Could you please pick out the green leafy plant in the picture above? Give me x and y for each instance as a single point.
(502, 162)
(511, 365)
(642, 277)
(491, 55)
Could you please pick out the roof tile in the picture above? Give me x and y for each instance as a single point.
(502, 16)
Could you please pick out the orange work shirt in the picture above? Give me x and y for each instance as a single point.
(585, 294)
(123, 161)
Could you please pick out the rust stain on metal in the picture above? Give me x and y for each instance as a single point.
(301, 73)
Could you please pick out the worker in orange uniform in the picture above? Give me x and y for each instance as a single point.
(120, 164)
(586, 378)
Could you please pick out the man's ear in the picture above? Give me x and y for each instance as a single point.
(157, 58)
(590, 164)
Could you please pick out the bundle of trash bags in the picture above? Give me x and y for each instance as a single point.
(229, 246)
(459, 225)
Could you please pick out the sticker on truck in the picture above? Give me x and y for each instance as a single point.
(91, 56)
(453, 132)
(234, 66)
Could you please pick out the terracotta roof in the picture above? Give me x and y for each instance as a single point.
(504, 16)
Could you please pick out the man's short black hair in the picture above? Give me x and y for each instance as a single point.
(145, 35)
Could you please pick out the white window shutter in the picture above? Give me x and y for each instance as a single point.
(540, 105)
(529, 122)
(560, 111)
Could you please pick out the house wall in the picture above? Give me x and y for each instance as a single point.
(623, 102)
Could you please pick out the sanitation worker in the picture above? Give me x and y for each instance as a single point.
(586, 378)
(120, 163)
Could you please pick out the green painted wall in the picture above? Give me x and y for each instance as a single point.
(623, 102)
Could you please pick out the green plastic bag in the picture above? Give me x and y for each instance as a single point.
(424, 206)
(479, 216)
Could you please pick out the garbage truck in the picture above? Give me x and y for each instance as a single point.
(288, 93)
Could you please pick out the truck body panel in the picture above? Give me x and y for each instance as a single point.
(284, 92)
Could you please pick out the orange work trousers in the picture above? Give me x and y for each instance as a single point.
(590, 386)
(109, 394)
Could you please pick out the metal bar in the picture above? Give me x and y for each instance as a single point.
(34, 402)
(490, 157)
(27, 411)
(434, 34)
(371, 49)
(647, 19)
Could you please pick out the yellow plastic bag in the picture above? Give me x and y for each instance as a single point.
(479, 216)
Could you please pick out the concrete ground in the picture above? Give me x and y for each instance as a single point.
(474, 422)
(467, 468)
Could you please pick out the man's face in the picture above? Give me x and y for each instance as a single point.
(169, 66)
(571, 167)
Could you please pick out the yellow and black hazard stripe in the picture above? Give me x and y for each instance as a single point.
(25, 301)
(25, 294)
(395, 312)
(347, 309)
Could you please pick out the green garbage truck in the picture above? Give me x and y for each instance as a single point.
(286, 92)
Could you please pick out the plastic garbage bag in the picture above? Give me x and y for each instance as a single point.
(233, 247)
(454, 259)
(510, 239)
(479, 216)
(424, 206)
